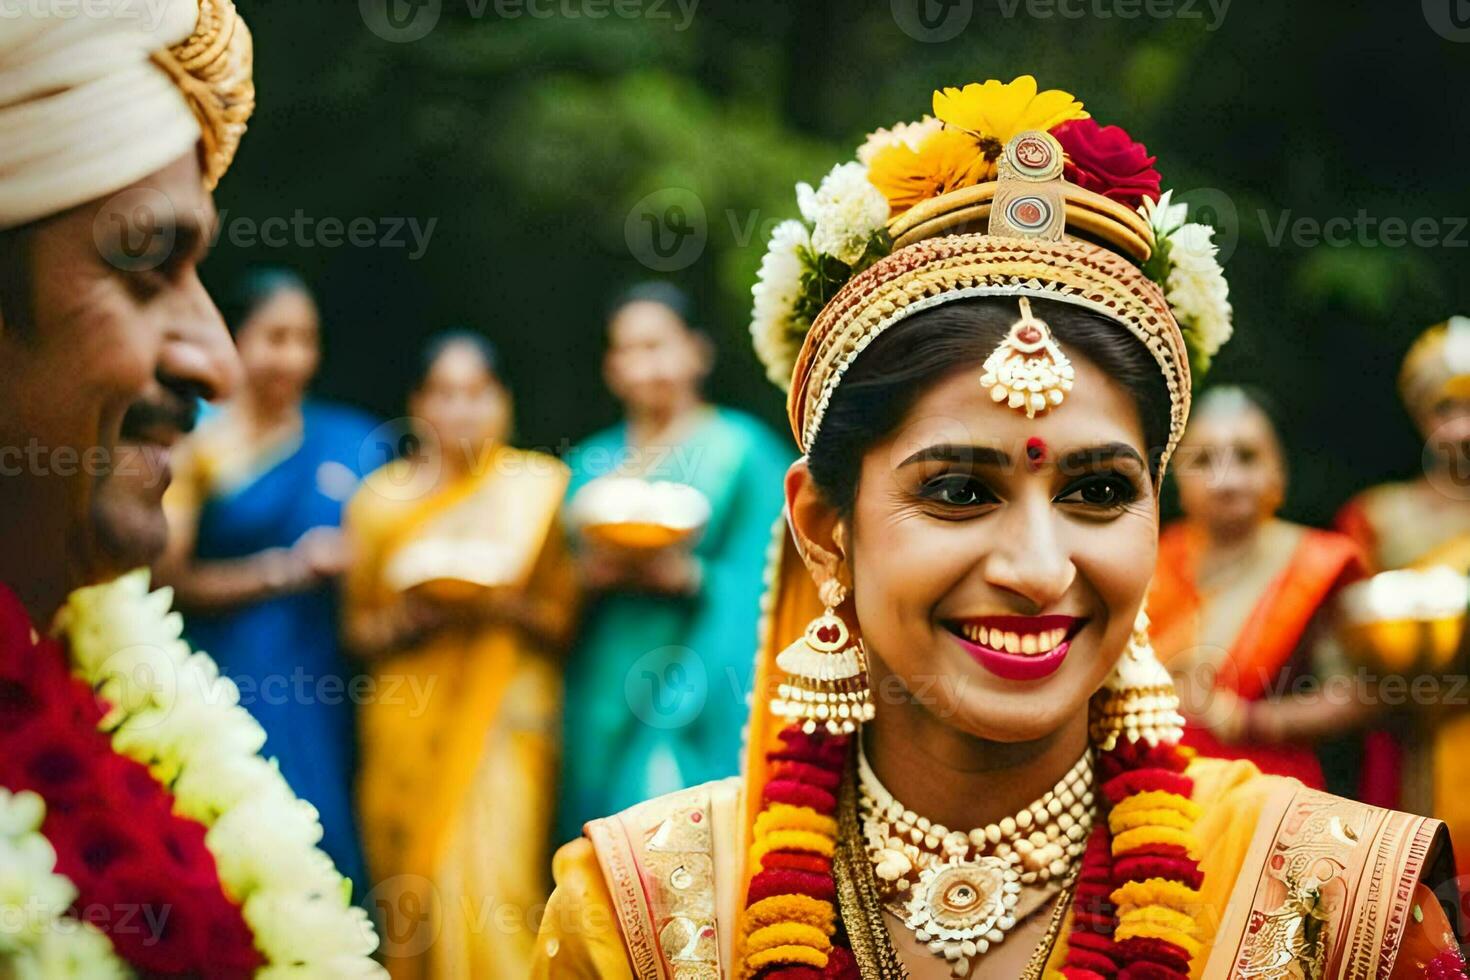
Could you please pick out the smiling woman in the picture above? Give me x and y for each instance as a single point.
(963, 754)
(962, 555)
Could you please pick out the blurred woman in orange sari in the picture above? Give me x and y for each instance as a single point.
(460, 600)
(1240, 599)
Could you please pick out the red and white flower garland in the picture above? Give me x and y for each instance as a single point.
(133, 772)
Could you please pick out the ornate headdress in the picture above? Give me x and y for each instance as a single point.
(1005, 191)
(214, 68)
(85, 109)
(1437, 366)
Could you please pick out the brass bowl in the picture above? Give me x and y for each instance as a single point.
(451, 570)
(637, 514)
(1407, 621)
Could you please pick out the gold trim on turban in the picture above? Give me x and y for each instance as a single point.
(213, 68)
(1437, 366)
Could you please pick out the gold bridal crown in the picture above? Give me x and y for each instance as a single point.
(958, 206)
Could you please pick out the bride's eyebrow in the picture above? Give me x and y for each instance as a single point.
(949, 452)
(1091, 456)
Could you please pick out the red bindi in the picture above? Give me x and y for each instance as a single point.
(1035, 452)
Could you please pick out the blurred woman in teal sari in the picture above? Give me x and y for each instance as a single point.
(255, 548)
(657, 681)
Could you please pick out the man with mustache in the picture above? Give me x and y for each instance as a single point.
(121, 796)
(107, 337)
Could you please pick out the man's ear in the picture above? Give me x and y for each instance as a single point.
(820, 531)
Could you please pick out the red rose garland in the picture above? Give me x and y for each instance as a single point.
(143, 876)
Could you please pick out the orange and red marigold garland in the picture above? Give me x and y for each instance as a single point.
(1137, 891)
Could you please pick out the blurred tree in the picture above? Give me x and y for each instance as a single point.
(531, 132)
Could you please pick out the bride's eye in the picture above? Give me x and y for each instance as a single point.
(1103, 492)
(957, 490)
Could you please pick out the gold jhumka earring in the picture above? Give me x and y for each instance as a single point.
(1138, 701)
(826, 683)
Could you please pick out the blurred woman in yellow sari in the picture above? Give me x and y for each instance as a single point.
(460, 599)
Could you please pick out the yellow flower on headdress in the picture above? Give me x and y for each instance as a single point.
(996, 111)
(978, 120)
(946, 160)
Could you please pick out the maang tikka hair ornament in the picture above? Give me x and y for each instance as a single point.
(826, 672)
(1028, 371)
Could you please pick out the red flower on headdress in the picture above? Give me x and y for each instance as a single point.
(1106, 159)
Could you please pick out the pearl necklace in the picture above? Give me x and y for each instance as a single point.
(955, 890)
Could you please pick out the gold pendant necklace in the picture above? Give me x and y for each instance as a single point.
(957, 892)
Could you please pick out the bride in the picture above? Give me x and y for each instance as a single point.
(962, 753)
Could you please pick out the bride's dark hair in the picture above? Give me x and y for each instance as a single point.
(895, 369)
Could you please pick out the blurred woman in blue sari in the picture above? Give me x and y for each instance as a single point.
(658, 677)
(255, 548)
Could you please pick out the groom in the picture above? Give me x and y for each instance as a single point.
(109, 148)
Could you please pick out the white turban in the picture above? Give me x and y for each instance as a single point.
(85, 106)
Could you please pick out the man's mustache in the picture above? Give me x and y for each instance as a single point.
(175, 411)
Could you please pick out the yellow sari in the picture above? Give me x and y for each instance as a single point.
(459, 735)
(656, 892)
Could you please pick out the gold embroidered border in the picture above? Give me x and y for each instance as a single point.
(1335, 892)
(620, 870)
(658, 859)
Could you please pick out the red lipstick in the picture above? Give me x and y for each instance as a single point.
(1018, 648)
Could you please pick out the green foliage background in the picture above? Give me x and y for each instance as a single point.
(531, 138)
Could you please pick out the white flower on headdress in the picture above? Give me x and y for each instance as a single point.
(1193, 281)
(845, 212)
(1196, 287)
(1162, 215)
(776, 290)
(910, 134)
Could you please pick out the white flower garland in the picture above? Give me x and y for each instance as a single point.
(1193, 281)
(776, 290)
(845, 212)
(175, 713)
(841, 220)
(38, 940)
